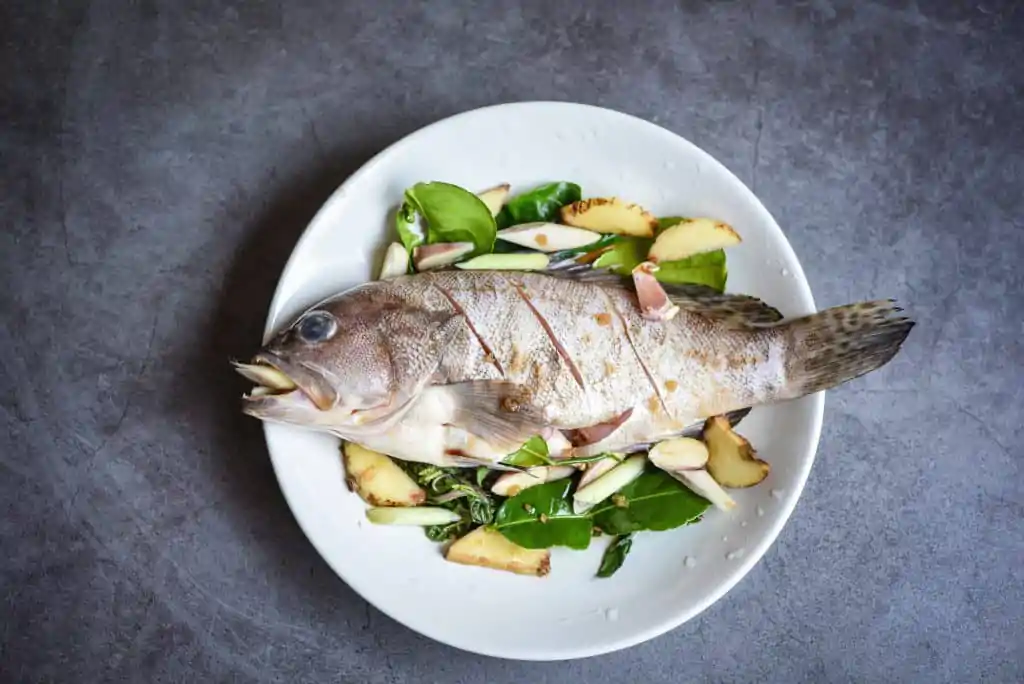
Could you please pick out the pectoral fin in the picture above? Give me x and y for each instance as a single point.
(496, 411)
(731, 309)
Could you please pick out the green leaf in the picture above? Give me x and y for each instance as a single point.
(625, 255)
(541, 204)
(481, 474)
(410, 232)
(481, 505)
(705, 269)
(614, 555)
(454, 489)
(654, 501)
(442, 533)
(533, 453)
(453, 214)
(541, 517)
(431, 477)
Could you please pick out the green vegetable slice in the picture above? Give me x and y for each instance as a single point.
(540, 204)
(453, 214)
(609, 483)
(654, 501)
(520, 261)
(423, 516)
(615, 555)
(541, 517)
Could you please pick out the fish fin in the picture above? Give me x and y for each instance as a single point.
(595, 433)
(496, 411)
(732, 309)
(693, 430)
(836, 345)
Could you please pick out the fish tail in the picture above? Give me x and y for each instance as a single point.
(836, 345)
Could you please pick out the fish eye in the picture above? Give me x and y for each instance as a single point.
(317, 327)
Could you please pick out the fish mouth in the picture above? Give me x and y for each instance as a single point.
(275, 380)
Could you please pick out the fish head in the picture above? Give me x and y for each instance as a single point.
(346, 365)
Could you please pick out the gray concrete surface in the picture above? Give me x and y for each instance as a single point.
(158, 160)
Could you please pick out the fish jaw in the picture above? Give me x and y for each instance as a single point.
(293, 408)
(312, 402)
(310, 383)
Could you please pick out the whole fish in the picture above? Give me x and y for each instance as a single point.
(462, 367)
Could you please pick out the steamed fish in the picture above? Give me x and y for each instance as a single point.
(462, 367)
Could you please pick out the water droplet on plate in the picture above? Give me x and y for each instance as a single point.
(733, 555)
(777, 493)
(611, 615)
(785, 272)
(760, 512)
(690, 562)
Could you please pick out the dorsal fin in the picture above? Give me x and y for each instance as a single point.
(734, 310)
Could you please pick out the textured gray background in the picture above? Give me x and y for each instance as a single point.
(158, 160)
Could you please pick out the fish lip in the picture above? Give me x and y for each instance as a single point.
(261, 405)
(313, 385)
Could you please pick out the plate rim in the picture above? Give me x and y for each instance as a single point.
(816, 401)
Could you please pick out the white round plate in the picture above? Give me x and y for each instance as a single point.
(570, 613)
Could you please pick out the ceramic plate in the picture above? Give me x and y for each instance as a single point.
(570, 613)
